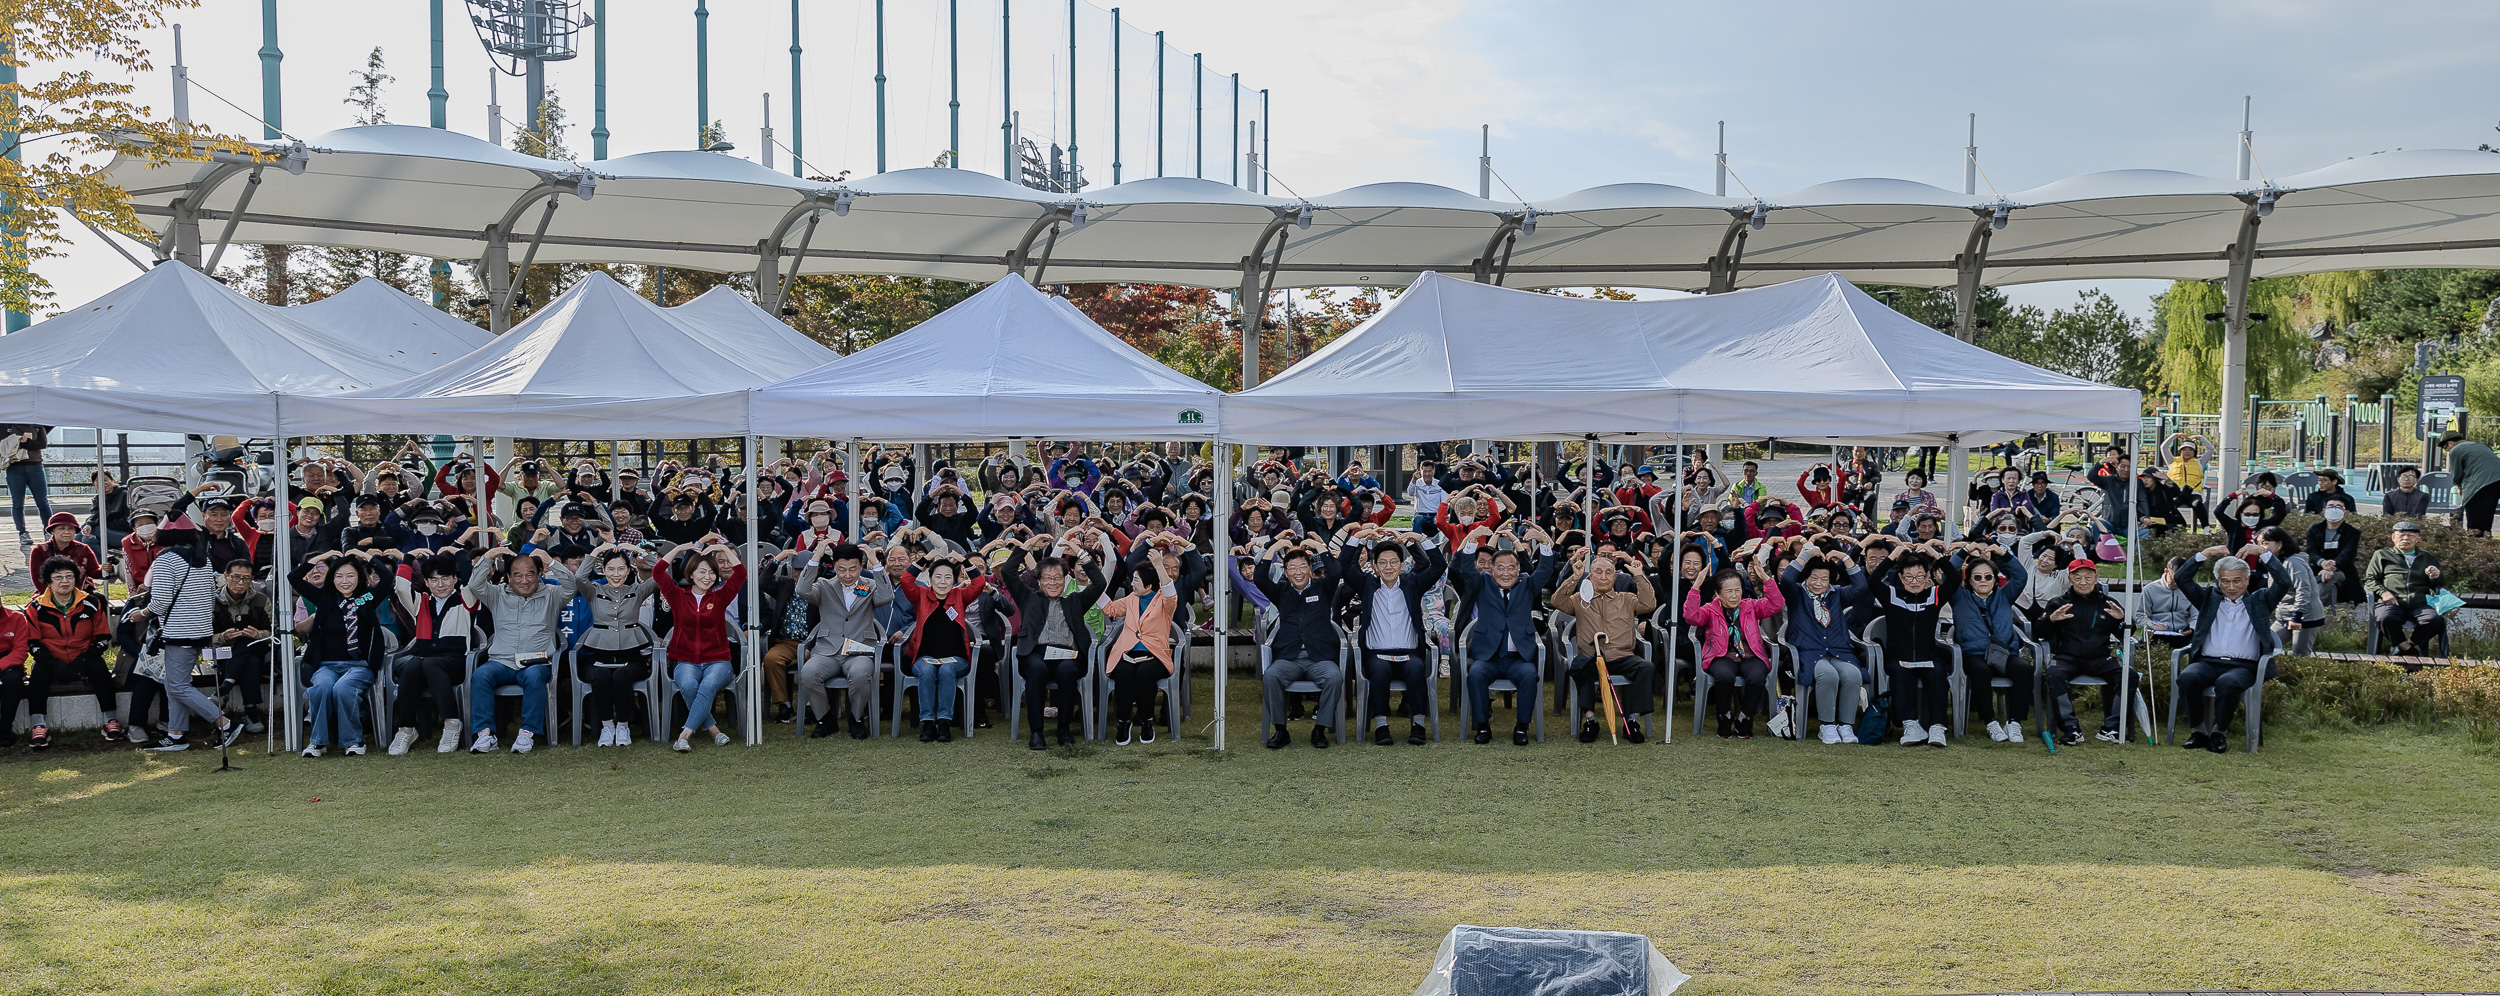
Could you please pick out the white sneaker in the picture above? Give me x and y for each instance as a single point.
(2109, 736)
(402, 740)
(1912, 733)
(522, 742)
(451, 737)
(720, 739)
(680, 745)
(485, 743)
(1831, 733)
(355, 750)
(1936, 734)
(1848, 734)
(312, 750)
(1996, 731)
(2013, 733)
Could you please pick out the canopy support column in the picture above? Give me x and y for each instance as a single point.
(281, 564)
(750, 612)
(497, 260)
(1258, 276)
(241, 204)
(1222, 591)
(496, 263)
(1731, 253)
(1956, 486)
(1049, 221)
(1967, 268)
(1492, 268)
(2243, 256)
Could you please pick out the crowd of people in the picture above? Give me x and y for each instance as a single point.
(1009, 584)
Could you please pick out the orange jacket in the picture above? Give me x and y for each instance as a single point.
(67, 631)
(1152, 627)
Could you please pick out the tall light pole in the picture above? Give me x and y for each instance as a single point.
(1198, 89)
(438, 99)
(1006, 91)
(880, 86)
(1071, 87)
(954, 93)
(1160, 48)
(599, 80)
(1115, 96)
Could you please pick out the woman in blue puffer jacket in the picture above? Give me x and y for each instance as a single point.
(1983, 627)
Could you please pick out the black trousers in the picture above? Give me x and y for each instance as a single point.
(1978, 671)
(1379, 671)
(2480, 505)
(1919, 694)
(248, 671)
(612, 674)
(2064, 670)
(12, 692)
(47, 669)
(2392, 620)
(1637, 696)
(426, 678)
(1133, 687)
(1039, 672)
(1742, 680)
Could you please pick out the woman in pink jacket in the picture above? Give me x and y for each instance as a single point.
(1732, 648)
(1143, 653)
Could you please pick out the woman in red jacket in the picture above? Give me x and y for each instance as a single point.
(69, 631)
(698, 641)
(940, 647)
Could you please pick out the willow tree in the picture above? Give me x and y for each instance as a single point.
(2191, 346)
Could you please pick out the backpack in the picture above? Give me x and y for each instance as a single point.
(1874, 723)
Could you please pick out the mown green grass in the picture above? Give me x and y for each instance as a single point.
(2332, 860)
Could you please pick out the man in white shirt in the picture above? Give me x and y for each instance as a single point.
(2233, 633)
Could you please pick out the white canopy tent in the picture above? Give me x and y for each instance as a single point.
(174, 351)
(731, 321)
(378, 317)
(1812, 360)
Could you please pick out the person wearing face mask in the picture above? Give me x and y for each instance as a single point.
(422, 528)
(139, 546)
(2330, 492)
(241, 645)
(1983, 628)
(2300, 612)
(2335, 545)
(1828, 665)
(429, 666)
(615, 649)
(311, 538)
(2243, 513)
(2079, 627)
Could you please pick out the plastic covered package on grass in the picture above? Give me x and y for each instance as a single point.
(1515, 961)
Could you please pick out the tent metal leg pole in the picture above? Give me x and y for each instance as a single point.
(1675, 597)
(1223, 581)
(751, 648)
(281, 559)
(850, 486)
(1956, 487)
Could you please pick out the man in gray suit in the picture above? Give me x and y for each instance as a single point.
(844, 642)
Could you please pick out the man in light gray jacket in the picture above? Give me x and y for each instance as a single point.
(525, 607)
(844, 642)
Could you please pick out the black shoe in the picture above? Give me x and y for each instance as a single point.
(1519, 735)
(1727, 727)
(1036, 742)
(1319, 737)
(1415, 734)
(2069, 738)
(1588, 730)
(2218, 743)
(859, 729)
(1125, 736)
(781, 712)
(946, 731)
(1066, 739)
(1280, 739)
(1381, 736)
(980, 721)
(1744, 727)
(1632, 732)
(824, 728)
(2195, 740)
(928, 731)
(1484, 733)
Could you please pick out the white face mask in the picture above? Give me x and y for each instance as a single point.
(2249, 520)
(426, 528)
(266, 525)
(820, 521)
(146, 530)
(2335, 513)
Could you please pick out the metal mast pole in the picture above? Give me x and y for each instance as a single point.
(1160, 48)
(271, 114)
(1006, 91)
(1721, 188)
(1970, 159)
(1236, 129)
(1115, 96)
(599, 80)
(1267, 145)
(702, 72)
(798, 104)
(880, 86)
(1198, 89)
(954, 93)
(1484, 166)
(1071, 91)
(438, 99)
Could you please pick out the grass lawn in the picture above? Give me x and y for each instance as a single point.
(2332, 860)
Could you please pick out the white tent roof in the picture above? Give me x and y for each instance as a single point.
(430, 192)
(1809, 360)
(597, 362)
(174, 351)
(403, 329)
(1008, 361)
(732, 321)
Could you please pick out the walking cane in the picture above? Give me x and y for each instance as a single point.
(1606, 694)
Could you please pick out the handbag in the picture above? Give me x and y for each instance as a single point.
(1874, 722)
(1780, 726)
(2443, 601)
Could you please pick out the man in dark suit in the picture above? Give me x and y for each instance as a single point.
(2233, 632)
(1391, 629)
(1051, 636)
(1300, 580)
(1501, 644)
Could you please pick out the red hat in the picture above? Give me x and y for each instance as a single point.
(2080, 564)
(60, 519)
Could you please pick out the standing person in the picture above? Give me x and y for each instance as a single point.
(2080, 626)
(1983, 627)
(1732, 646)
(940, 645)
(522, 652)
(21, 448)
(69, 631)
(182, 600)
(615, 652)
(1142, 654)
(2400, 579)
(1818, 629)
(1051, 635)
(345, 646)
(701, 658)
(436, 645)
(1501, 642)
(1589, 596)
(1392, 624)
(2472, 466)
(843, 643)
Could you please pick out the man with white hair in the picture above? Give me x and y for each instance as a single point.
(2232, 634)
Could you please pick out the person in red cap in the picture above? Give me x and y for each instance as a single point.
(61, 540)
(2079, 627)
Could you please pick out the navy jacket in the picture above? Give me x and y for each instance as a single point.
(1502, 617)
(1814, 641)
(2265, 588)
(1997, 610)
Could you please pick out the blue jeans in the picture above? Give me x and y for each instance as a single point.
(496, 674)
(23, 479)
(698, 684)
(1518, 670)
(337, 703)
(937, 677)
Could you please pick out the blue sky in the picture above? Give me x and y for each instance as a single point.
(1578, 93)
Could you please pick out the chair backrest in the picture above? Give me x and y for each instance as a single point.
(2442, 488)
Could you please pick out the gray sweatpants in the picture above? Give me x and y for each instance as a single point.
(1836, 690)
(860, 669)
(181, 700)
(1323, 673)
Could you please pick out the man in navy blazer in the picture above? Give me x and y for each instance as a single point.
(1403, 567)
(1502, 639)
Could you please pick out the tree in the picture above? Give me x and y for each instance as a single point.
(2279, 358)
(851, 313)
(85, 119)
(366, 95)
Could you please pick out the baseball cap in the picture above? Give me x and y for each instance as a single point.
(2408, 526)
(2080, 564)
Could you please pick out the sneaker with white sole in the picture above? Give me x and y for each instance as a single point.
(720, 739)
(2013, 733)
(451, 737)
(1831, 733)
(1936, 735)
(402, 740)
(1996, 731)
(680, 745)
(312, 750)
(1912, 733)
(523, 742)
(355, 750)
(485, 743)
(2109, 736)
(1848, 734)
(607, 733)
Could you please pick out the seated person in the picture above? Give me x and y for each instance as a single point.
(524, 605)
(69, 627)
(1983, 627)
(1589, 595)
(1392, 623)
(1051, 635)
(1818, 627)
(1300, 581)
(1502, 637)
(2168, 615)
(843, 642)
(1732, 647)
(2406, 500)
(2399, 580)
(1910, 597)
(1141, 655)
(2080, 626)
(2231, 636)
(701, 659)
(940, 645)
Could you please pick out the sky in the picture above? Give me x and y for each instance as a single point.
(1577, 93)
